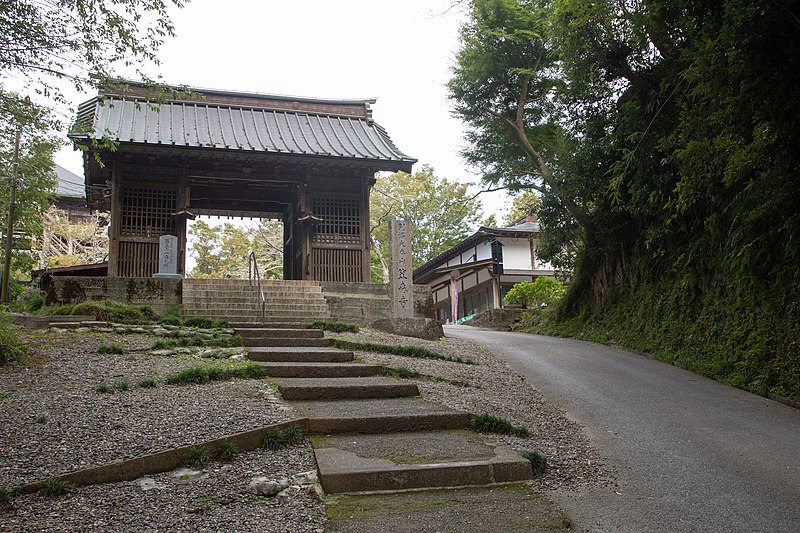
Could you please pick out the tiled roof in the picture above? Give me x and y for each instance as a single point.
(224, 126)
(69, 184)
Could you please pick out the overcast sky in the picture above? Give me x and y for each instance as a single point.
(398, 52)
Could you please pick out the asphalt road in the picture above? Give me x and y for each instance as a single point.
(690, 454)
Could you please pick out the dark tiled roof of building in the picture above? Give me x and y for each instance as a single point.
(237, 121)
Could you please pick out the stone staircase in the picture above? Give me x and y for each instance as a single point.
(372, 433)
(289, 302)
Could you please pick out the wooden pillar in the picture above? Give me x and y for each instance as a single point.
(181, 207)
(116, 222)
(288, 244)
(366, 270)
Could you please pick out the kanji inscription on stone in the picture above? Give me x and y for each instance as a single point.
(400, 271)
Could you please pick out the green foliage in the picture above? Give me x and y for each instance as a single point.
(55, 487)
(205, 323)
(542, 291)
(216, 371)
(196, 457)
(336, 326)
(277, 438)
(402, 372)
(527, 203)
(227, 451)
(102, 387)
(538, 461)
(223, 251)
(441, 212)
(486, 423)
(107, 310)
(29, 300)
(11, 348)
(394, 349)
(80, 42)
(172, 317)
(110, 349)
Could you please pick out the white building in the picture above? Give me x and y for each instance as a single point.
(476, 274)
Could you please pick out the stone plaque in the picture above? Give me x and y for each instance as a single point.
(400, 271)
(167, 257)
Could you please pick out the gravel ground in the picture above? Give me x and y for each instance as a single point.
(54, 421)
(498, 390)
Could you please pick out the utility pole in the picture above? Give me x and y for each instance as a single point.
(10, 226)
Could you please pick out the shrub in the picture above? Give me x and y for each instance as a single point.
(543, 291)
(172, 317)
(110, 349)
(336, 326)
(276, 438)
(487, 423)
(55, 487)
(29, 300)
(11, 348)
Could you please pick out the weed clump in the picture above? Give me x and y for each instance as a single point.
(147, 383)
(208, 372)
(487, 423)
(227, 451)
(7, 494)
(197, 456)
(538, 461)
(110, 349)
(336, 326)
(219, 341)
(397, 349)
(102, 387)
(277, 438)
(55, 487)
(205, 323)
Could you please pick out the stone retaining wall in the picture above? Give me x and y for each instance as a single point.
(364, 302)
(160, 294)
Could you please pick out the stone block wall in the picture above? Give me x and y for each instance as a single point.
(160, 294)
(364, 302)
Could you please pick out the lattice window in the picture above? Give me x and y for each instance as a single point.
(341, 220)
(147, 212)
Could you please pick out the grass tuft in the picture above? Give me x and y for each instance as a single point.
(487, 423)
(197, 456)
(396, 349)
(538, 461)
(207, 372)
(55, 487)
(102, 387)
(110, 348)
(336, 326)
(219, 341)
(402, 372)
(227, 451)
(205, 323)
(121, 385)
(147, 383)
(277, 438)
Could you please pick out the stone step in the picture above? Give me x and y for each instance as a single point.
(379, 416)
(344, 388)
(255, 324)
(265, 342)
(300, 355)
(320, 370)
(414, 460)
(260, 333)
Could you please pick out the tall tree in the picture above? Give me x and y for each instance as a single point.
(36, 178)
(222, 251)
(527, 203)
(442, 212)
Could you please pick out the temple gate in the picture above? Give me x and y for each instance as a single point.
(308, 162)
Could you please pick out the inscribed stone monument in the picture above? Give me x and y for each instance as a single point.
(400, 271)
(167, 257)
